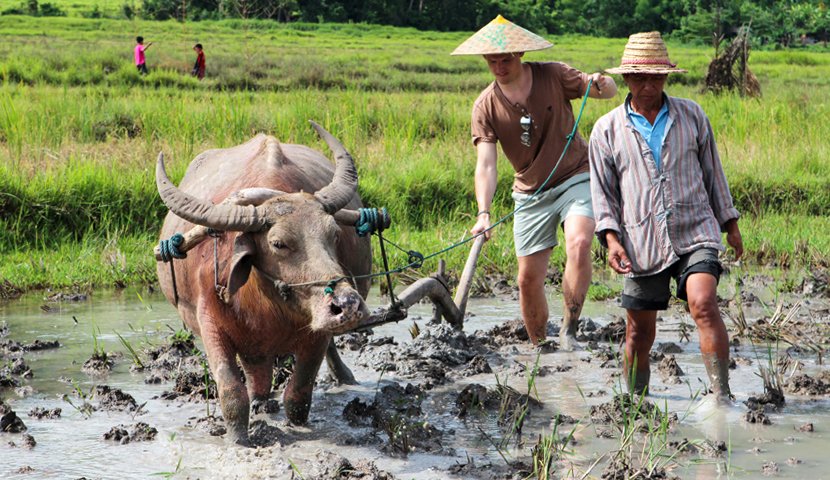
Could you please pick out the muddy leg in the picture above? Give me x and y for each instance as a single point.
(258, 377)
(337, 368)
(532, 299)
(579, 233)
(297, 396)
(640, 330)
(701, 289)
(233, 397)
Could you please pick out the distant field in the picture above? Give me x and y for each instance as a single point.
(80, 130)
(77, 8)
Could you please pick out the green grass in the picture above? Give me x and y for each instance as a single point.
(80, 132)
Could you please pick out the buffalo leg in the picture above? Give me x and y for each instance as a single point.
(337, 368)
(259, 376)
(233, 396)
(297, 396)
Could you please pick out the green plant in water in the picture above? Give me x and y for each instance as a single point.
(179, 469)
(133, 354)
(414, 330)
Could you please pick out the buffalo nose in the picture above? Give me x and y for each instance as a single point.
(344, 303)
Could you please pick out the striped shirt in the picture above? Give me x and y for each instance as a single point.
(659, 214)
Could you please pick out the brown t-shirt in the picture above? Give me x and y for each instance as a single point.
(495, 119)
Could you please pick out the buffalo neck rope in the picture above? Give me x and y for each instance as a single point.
(369, 223)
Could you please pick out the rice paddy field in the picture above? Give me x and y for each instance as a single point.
(80, 131)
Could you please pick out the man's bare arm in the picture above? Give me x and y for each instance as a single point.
(486, 179)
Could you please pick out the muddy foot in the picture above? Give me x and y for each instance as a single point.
(568, 343)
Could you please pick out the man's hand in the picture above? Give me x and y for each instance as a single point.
(602, 86)
(617, 257)
(734, 238)
(481, 225)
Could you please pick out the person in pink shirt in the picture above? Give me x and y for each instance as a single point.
(139, 55)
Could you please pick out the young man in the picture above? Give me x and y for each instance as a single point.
(199, 67)
(661, 201)
(527, 110)
(139, 55)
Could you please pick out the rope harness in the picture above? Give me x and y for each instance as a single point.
(170, 250)
(372, 221)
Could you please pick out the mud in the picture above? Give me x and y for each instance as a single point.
(435, 418)
(42, 413)
(9, 421)
(803, 384)
(625, 407)
(98, 365)
(114, 400)
(191, 387)
(332, 466)
(124, 434)
(395, 414)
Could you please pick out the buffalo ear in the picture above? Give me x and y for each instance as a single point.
(244, 250)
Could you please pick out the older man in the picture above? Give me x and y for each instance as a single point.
(661, 201)
(527, 110)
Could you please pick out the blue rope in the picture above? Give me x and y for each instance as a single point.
(372, 220)
(170, 248)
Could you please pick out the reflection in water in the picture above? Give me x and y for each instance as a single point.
(72, 447)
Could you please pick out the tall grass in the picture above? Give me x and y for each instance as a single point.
(80, 131)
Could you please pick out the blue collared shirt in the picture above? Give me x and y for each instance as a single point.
(654, 134)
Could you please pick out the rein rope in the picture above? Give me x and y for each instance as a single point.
(372, 221)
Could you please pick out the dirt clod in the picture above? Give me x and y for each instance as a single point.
(770, 468)
(803, 384)
(332, 466)
(756, 416)
(41, 413)
(124, 434)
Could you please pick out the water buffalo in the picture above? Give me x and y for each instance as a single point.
(272, 231)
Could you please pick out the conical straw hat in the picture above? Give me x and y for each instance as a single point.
(502, 36)
(646, 53)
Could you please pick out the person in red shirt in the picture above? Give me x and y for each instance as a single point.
(139, 55)
(199, 67)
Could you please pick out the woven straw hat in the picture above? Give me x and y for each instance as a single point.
(502, 36)
(646, 53)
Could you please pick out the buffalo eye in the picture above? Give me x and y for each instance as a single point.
(279, 245)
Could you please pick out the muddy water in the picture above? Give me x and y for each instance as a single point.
(72, 446)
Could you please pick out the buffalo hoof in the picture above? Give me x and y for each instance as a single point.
(297, 412)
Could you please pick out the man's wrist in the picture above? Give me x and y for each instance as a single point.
(482, 213)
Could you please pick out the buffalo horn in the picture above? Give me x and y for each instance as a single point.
(343, 186)
(226, 218)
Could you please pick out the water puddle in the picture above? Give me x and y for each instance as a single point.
(73, 446)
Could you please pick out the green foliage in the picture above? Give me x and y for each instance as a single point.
(80, 130)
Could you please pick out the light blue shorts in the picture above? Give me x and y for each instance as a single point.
(534, 225)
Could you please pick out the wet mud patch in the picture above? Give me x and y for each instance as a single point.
(613, 331)
(180, 354)
(9, 421)
(114, 400)
(395, 416)
(436, 348)
(213, 426)
(42, 413)
(100, 364)
(124, 434)
(803, 384)
(191, 387)
(625, 407)
(331, 466)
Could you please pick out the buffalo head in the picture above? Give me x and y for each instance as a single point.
(288, 238)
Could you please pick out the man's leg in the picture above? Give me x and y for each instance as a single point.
(701, 290)
(579, 233)
(532, 299)
(639, 337)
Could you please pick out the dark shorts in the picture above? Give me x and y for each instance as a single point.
(654, 292)
(142, 69)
